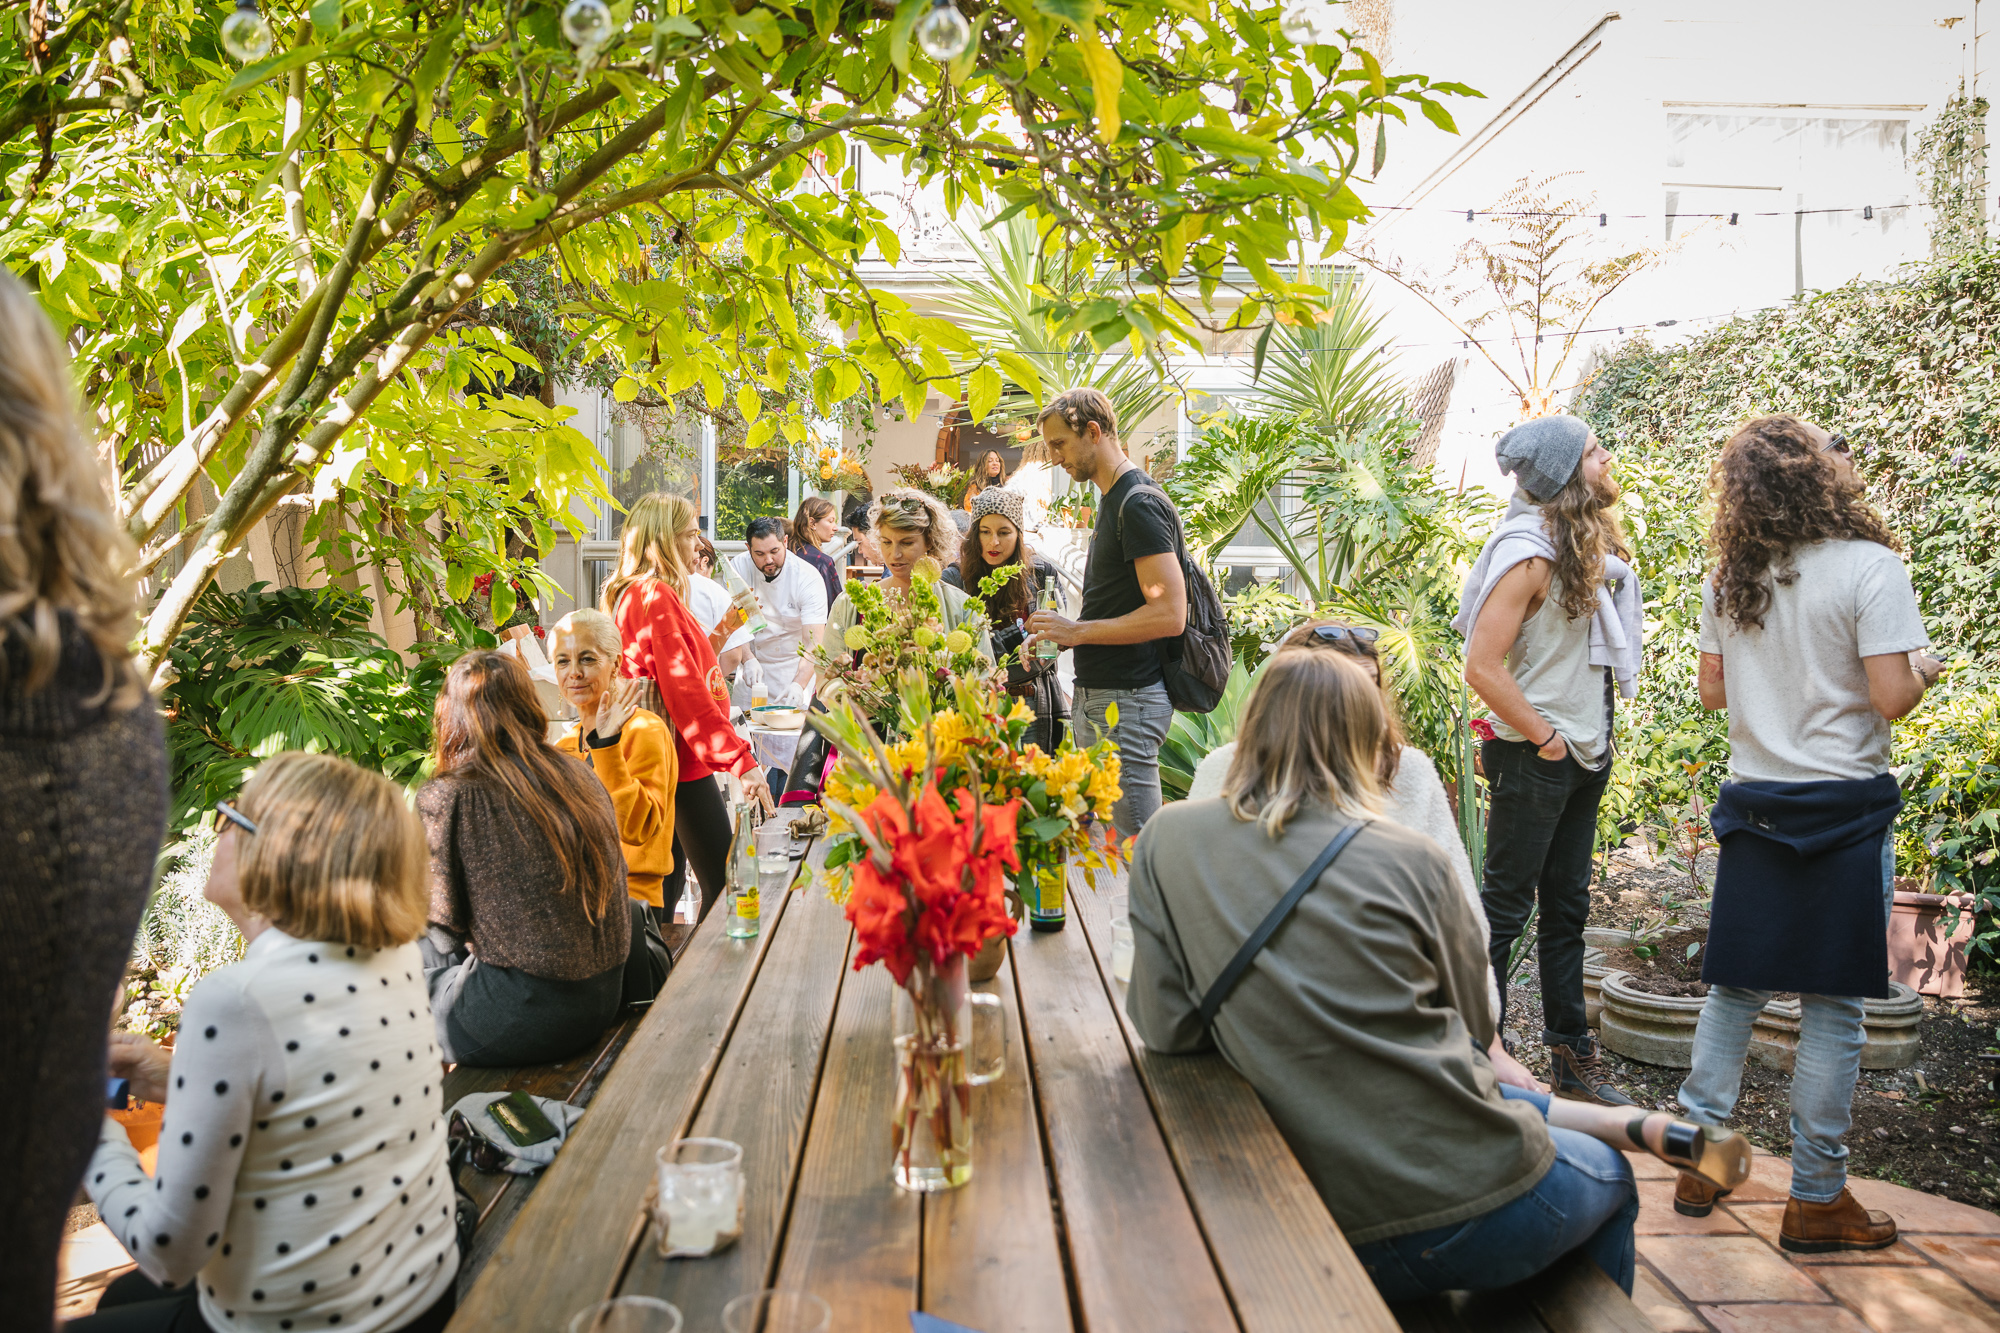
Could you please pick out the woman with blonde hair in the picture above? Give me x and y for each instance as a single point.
(629, 748)
(909, 527)
(83, 789)
(647, 601)
(1332, 959)
(302, 1095)
(529, 923)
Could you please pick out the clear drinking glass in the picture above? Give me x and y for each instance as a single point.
(1121, 936)
(700, 1205)
(627, 1314)
(777, 1312)
(774, 850)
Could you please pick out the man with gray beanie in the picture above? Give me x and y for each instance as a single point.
(1552, 620)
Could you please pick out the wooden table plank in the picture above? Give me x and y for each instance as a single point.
(991, 1260)
(1286, 1264)
(570, 1244)
(1138, 1258)
(852, 1237)
(761, 1095)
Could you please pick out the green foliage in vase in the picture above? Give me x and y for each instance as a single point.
(267, 670)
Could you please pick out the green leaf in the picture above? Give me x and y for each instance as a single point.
(1228, 142)
(326, 16)
(984, 392)
(1435, 113)
(458, 583)
(1107, 76)
(900, 28)
(1048, 828)
(1263, 346)
(1022, 371)
(624, 389)
(191, 319)
(437, 59)
(283, 63)
(503, 600)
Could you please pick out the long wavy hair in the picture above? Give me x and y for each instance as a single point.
(651, 546)
(811, 510)
(1775, 490)
(61, 548)
(1582, 522)
(1310, 736)
(1016, 597)
(1390, 756)
(490, 728)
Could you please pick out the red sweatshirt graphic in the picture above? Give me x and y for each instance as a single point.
(663, 641)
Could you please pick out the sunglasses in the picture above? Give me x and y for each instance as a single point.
(1335, 633)
(470, 1146)
(1838, 445)
(236, 817)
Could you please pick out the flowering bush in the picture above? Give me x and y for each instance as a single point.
(941, 480)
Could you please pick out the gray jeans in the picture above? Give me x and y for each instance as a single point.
(1823, 1074)
(1143, 718)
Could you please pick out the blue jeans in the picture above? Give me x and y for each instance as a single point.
(1586, 1200)
(1823, 1072)
(1143, 718)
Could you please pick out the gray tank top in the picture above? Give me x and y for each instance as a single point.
(1550, 661)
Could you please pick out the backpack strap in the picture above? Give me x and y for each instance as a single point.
(1226, 982)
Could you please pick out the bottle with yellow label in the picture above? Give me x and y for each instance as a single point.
(740, 900)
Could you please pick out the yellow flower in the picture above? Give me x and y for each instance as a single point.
(856, 638)
(926, 638)
(1021, 709)
(958, 641)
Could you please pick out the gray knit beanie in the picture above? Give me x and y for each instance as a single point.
(997, 500)
(1543, 454)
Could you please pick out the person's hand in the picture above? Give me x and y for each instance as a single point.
(1057, 629)
(1930, 668)
(615, 709)
(1511, 1071)
(1555, 749)
(745, 600)
(142, 1063)
(757, 789)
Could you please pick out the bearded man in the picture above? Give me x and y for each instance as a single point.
(1552, 617)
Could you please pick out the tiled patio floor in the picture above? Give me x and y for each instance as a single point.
(1724, 1273)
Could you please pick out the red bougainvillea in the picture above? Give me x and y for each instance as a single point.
(940, 895)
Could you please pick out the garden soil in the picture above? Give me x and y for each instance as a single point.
(1933, 1127)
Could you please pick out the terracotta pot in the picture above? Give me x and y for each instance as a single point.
(142, 1126)
(1921, 955)
(1659, 1029)
(985, 964)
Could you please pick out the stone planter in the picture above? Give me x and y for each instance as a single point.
(1596, 941)
(1921, 955)
(1659, 1029)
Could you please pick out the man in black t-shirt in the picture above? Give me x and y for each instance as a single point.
(1133, 597)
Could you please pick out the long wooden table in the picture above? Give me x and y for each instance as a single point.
(1113, 1188)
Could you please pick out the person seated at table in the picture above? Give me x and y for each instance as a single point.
(629, 748)
(1411, 793)
(811, 529)
(529, 925)
(1364, 1023)
(302, 1095)
(997, 542)
(909, 526)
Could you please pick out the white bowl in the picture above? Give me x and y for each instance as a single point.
(778, 717)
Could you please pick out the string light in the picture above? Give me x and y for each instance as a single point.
(943, 33)
(245, 34)
(587, 24)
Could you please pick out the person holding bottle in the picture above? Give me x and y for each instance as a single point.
(997, 542)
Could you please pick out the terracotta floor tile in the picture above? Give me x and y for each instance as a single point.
(1782, 1319)
(1663, 1307)
(1915, 1211)
(1906, 1300)
(1770, 1180)
(1658, 1218)
(1727, 1270)
(1645, 1166)
(1761, 1218)
(1974, 1260)
(1766, 1218)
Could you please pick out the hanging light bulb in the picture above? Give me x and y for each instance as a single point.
(795, 131)
(1301, 22)
(587, 23)
(943, 33)
(245, 34)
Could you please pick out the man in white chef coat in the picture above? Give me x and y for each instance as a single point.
(794, 607)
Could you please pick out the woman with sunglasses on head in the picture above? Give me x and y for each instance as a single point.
(909, 527)
(302, 1178)
(1411, 792)
(83, 790)
(997, 542)
(530, 926)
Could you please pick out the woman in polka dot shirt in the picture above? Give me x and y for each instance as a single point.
(302, 1179)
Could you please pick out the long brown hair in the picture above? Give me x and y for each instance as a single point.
(979, 479)
(811, 510)
(1583, 523)
(60, 547)
(1310, 733)
(1775, 490)
(490, 727)
(1391, 754)
(651, 546)
(1016, 597)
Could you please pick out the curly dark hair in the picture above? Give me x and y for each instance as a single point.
(1775, 489)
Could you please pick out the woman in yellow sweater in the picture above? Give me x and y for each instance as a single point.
(630, 749)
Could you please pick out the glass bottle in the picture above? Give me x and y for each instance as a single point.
(1046, 906)
(1048, 649)
(740, 899)
(756, 623)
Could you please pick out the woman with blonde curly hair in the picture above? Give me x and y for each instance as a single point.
(83, 789)
(911, 528)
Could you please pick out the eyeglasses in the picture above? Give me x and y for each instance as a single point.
(1838, 445)
(469, 1145)
(236, 817)
(1335, 633)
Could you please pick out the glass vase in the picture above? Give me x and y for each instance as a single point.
(930, 1125)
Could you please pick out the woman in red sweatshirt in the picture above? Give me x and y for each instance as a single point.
(664, 643)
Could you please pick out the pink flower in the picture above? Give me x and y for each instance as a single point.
(1483, 728)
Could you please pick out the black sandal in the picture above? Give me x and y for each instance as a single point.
(1719, 1156)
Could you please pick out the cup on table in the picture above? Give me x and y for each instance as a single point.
(777, 1312)
(700, 1197)
(774, 847)
(627, 1314)
(1121, 936)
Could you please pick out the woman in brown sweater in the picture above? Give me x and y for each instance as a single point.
(529, 923)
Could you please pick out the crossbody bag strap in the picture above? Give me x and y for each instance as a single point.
(1218, 992)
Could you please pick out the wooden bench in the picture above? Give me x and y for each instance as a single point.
(1573, 1296)
(498, 1195)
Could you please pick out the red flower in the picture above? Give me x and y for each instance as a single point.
(483, 584)
(940, 894)
(1482, 728)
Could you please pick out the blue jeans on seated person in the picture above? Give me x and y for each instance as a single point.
(1586, 1200)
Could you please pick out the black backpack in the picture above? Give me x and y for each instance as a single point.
(1195, 666)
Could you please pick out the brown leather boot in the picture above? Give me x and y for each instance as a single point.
(1695, 1197)
(1578, 1073)
(1819, 1228)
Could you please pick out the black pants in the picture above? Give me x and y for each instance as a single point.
(701, 835)
(133, 1304)
(1541, 831)
(497, 1017)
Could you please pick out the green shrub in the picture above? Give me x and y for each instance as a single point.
(182, 938)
